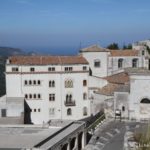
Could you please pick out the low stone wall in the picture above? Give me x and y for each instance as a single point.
(12, 120)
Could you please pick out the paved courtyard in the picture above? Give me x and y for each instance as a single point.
(110, 135)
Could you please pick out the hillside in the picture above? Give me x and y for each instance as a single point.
(8, 51)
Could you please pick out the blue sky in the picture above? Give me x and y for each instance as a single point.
(58, 26)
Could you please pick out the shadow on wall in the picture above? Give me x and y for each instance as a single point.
(27, 115)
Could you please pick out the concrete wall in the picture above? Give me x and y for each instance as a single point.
(121, 100)
(102, 57)
(139, 89)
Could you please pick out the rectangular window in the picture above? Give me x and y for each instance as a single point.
(32, 69)
(15, 69)
(68, 68)
(84, 68)
(97, 64)
(51, 97)
(3, 112)
(51, 69)
(84, 83)
(52, 111)
(143, 53)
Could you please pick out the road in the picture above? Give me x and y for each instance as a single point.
(110, 135)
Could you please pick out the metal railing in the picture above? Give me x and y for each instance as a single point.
(94, 124)
(70, 103)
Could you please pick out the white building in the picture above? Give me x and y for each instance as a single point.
(104, 62)
(73, 87)
(54, 87)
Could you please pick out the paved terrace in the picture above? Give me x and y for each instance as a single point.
(29, 136)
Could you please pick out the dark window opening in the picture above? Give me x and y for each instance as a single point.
(84, 83)
(32, 69)
(145, 100)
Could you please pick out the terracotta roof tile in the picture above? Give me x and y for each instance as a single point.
(124, 53)
(46, 60)
(110, 88)
(94, 48)
(120, 78)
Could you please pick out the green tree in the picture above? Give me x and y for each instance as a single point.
(129, 46)
(113, 46)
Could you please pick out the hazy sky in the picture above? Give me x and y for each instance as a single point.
(60, 25)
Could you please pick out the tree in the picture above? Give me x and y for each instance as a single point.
(147, 48)
(129, 46)
(113, 46)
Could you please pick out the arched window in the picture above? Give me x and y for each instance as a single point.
(25, 82)
(39, 96)
(30, 82)
(68, 97)
(30, 96)
(135, 63)
(50, 83)
(69, 111)
(34, 82)
(84, 96)
(26, 96)
(97, 63)
(84, 111)
(68, 84)
(145, 101)
(123, 108)
(120, 63)
(53, 83)
(34, 96)
(84, 83)
(39, 82)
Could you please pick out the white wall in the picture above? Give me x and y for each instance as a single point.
(102, 56)
(16, 88)
(97, 82)
(127, 63)
(139, 89)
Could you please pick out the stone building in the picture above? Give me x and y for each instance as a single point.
(54, 87)
(76, 87)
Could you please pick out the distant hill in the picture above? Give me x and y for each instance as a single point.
(8, 51)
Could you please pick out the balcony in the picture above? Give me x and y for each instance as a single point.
(70, 103)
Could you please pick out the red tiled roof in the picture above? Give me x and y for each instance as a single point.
(123, 53)
(46, 60)
(94, 48)
(120, 78)
(110, 88)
